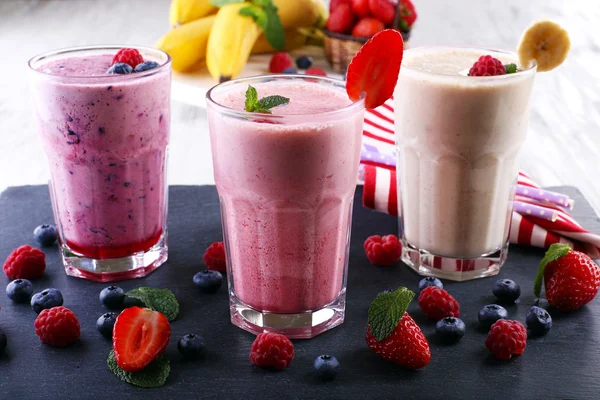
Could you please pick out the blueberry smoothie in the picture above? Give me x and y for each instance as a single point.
(105, 136)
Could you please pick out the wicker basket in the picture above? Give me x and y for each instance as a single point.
(339, 49)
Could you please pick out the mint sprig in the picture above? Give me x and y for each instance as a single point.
(161, 300)
(264, 105)
(264, 14)
(555, 252)
(153, 376)
(510, 68)
(387, 310)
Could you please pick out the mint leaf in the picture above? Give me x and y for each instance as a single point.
(263, 105)
(511, 68)
(257, 14)
(161, 300)
(154, 375)
(555, 252)
(221, 3)
(274, 31)
(386, 311)
(251, 98)
(272, 101)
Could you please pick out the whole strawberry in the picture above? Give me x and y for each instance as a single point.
(571, 278)
(393, 334)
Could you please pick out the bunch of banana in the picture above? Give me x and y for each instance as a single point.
(547, 43)
(226, 40)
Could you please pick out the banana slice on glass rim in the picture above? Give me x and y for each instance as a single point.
(546, 42)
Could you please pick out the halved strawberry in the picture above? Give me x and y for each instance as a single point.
(139, 336)
(374, 69)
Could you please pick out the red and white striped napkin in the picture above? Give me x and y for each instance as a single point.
(540, 218)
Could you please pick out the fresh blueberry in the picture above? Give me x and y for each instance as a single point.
(326, 367)
(208, 281)
(490, 314)
(191, 346)
(132, 302)
(19, 290)
(304, 62)
(290, 71)
(45, 299)
(430, 281)
(145, 66)
(538, 321)
(105, 324)
(120, 68)
(112, 297)
(45, 235)
(450, 329)
(506, 290)
(3, 341)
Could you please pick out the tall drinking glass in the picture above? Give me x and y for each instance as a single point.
(458, 138)
(286, 184)
(105, 137)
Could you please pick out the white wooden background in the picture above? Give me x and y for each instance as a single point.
(564, 137)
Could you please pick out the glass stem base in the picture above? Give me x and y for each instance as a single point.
(136, 265)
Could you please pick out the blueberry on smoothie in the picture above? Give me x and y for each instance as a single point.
(145, 66)
(120, 68)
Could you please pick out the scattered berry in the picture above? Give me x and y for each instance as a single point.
(384, 250)
(290, 70)
(304, 62)
(131, 57)
(132, 302)
(430, 281)
(538, 321)
(106, 323)
(139, 336)
(120, 69)
(383, 10)
(437, 303)
(450, 329)
(315, 71)
(278, 63)
(112, 297)
(572, 278)
(25, 262)
(19, 290)
(3, 341)
(506, 338)
(326, 367)
(272, 350)
(191, 346)
(487, 66)
(145, 66)
(57, 327)
(506, 290)
(408, 14)
(47, 298)
(490, 314)
(361, 8)
(214, 257)
(367, 27)
(45, 235)
(341, 19)
(208, 281)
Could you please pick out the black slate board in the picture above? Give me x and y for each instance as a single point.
(563, 365)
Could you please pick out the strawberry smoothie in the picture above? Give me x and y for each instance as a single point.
(286, 183)
(105, 137)
(458, 140)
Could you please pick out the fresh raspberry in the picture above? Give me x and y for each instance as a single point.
(279, 62)
(406, 345)
(437, 303)
(341, 19)
(315, 71)
(272, 350)
(383, 250)
(25, 262)
(361, 8)
(128, 56)
(571, 281)
(57, 326)
(214, 257)
(506, 338)
(367, 27)
(383, 10)
(487, 66)
(408, 14)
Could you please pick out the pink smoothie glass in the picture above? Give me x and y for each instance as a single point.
(105, 137)
(286, 184)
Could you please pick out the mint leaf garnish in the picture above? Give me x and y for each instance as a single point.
(263, 105)
(161, 300)
(510, 68)
(555, 252)
(257, 14)
(154, 375)
(387, 310)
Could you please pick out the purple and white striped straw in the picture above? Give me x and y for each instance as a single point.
(528, 209)
(559, 199)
